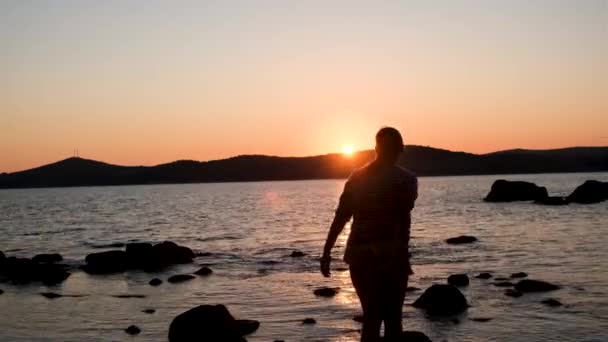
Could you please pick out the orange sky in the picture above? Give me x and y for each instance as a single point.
(137, 85)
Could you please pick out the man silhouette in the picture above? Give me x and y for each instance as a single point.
(379, 197)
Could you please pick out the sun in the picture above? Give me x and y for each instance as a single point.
(348, 150)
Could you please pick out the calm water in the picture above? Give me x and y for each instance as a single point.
(250, 227)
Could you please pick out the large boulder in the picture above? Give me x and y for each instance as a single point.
(106, 262)
(509, 191)
(530, 285)
(209, 323)
(591, 191)
(24, 271)
(47, 258)
(139, 254)
(460, 279)
(442, 299)
(169, 253)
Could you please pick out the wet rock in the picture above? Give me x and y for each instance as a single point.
(326, 291)
(139, 254)
(503, 284)
(530, 285)
(461, 240)
(1, 291)
(458, 280)
(203, 254)
(309, 321)
(22, 271)
(179, 278)
(47, 258)
(501, 279)
(51, 295)
(203, 271)
(207, 323)
(552, 200)
(591, 191)
(442, 299)
(414, 336)
(484, 275)
(297, 254)
(552, 302)
(106, 262)
(246, 326)
(170, 253)
(358, 318)
(129, 296)
(132, 330)
(412, 289)
(509, 191)
(513, 293)
(2, 256)
(155, 282)
(148, 311)
(519, 275)
(480, 319)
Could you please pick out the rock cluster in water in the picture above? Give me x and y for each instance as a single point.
(442, 299)
(591, 191)
(41, 268)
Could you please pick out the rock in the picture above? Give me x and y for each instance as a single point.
(414, 336)
(297, 254)
(358, 318)
(169, 253)
(47, 258)
(106, 262)
(148, 311)
(203, 271)
(51, 295)
(591, 191)
(513, 293)
(24, 271)
(412, 289)
(132, 330)
(551, 200)
(480, 319)
(326, 291)
(207, 323)
(309, 321)
(203, 254)
(503, 284)
(509, 191)
(139, 255)
(529, 285)
(179, 278)
(2, 256)
(455, 321)
(484, 275)
(129, 296)
(155, 282)
(519, 275)
(458, 280)
(442, 299)
(461, 240)
(1, 291)
(501, 279)
(246, 326)
(551, 302)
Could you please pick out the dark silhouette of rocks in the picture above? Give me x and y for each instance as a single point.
(148, 311)
(530, 285)
(480, 319)
(442, 299)
(297, 254)
(203, 271)
(309, 321)
(132, 330)
(21, 271)
(1, 291)
(424, 161)
(2, 256)
(501, 279)
(461, 240)
(519, 275)
(50, 295)
(209, 323)
(126, 296)
(180, 278)
(458, 280)
(155, 282)
(503, 284)
(552, 302)
(414, 336)
(106, 262)
(513, 293)
(484, 275)
(326, 291)
(47, 258)
(412, 289)
(510, 191)
(552, 200)
(591, 191)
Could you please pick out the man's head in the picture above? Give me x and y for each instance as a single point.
(389, 144)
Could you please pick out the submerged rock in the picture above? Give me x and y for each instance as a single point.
(519, 275)
(51, 295)
(297, 254)
(503, 284)
(132, 330)
(412, 289)
(326, 291)
(509, 191)
(203, 271)
(552, 302)
(513, 293)
(1, 291)
(484, 275)
(480, 319)
(551, 200)
(458, 280)
(591, 191)
(530, 285)
(155, 282)
(461, 240)
(309, 321)
(442, 299)
(148, 311)
(501, 279)
(179, 278)
(208, 323)
(47, 258)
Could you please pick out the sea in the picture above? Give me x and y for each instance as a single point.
(247, 232)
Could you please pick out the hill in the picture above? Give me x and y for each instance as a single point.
(424, 161)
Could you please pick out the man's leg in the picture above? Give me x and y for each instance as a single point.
(393, 305)
(365, 284)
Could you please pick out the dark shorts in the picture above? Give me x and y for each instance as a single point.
(381, 290)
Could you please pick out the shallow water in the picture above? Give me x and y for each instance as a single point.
(250, 228)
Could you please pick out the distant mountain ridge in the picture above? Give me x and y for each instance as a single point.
(424, 161)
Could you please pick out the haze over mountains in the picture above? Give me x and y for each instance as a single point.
(424, 161)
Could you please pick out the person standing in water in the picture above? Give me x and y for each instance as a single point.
(379, 197)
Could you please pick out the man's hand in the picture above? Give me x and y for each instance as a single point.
(325, 262)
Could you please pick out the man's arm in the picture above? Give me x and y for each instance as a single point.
(343, 215)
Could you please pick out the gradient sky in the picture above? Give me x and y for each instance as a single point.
(146, 82)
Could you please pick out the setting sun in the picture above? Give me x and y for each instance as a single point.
(348, 150)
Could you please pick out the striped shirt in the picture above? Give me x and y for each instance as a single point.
(379, 199)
